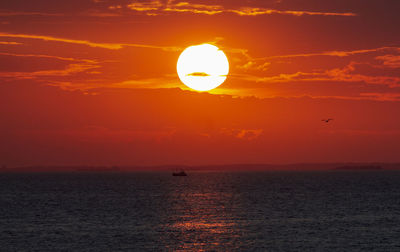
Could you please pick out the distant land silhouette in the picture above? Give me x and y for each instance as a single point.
(227, 167)
(359, 168)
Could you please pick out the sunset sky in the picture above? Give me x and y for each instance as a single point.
(94, 82)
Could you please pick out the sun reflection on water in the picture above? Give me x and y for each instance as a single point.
(201, 216)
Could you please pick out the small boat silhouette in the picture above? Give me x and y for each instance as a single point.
(181, 173)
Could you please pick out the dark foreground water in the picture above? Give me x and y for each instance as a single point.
(271, 211)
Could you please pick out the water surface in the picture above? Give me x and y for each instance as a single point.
(217, 211)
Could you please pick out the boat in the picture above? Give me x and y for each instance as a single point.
(181, 173)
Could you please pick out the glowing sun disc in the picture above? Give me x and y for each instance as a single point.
(202, 67)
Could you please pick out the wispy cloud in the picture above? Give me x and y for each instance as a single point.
(146, 83)
(262, 63)
(64, 40)
(298, 76)
(351, 73)
(9, 43)
(333, 53)
(249, 11)
(111, 46)
(382, 96)
(47, 56)
(100, 14)
(142, 6)
(253, 65)
(392, 61)
(244, 134)
(79, 65)
(5, 13)
(193, 8)
(68, 70)
(347, 74)
(155, 7)
(152, 83)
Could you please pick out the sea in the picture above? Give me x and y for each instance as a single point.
(204, 211)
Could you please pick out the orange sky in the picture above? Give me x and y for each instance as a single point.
(94, 82)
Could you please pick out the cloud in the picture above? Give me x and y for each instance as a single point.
(333, 53)
(364, 66)
(144, 6)
(345, 74)
(80, 65)
(249, 134)
(249, 11)
(148, 83)
(111, 46)
(248, 63)
(253, 65)
(47, 56)
(68, 70)
(115, 7)
(382, 96)
(199, 74)
(155, 7)
(10, 43)
(244, 134)
(64, 40)
(194, 8)
(101, 14)
(262, 63)
(52, 77)
(22, 13)
(298, 76)
(391, 61)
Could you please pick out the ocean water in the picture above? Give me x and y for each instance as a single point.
(205, 211)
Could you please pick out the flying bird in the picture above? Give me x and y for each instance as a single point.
(327, 120)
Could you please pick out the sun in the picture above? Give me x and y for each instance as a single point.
(202, 67)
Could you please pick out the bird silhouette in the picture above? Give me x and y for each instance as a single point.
(327, 120)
